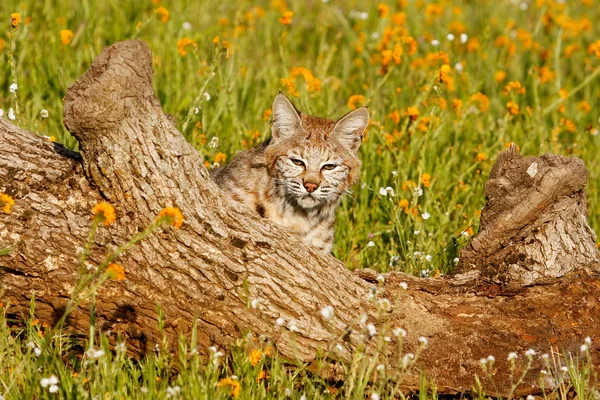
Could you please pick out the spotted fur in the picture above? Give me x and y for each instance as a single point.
(298, 176)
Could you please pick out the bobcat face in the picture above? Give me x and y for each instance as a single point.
(312, 160)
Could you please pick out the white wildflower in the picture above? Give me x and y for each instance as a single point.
(530, 397)
(37, 351)
(173, 391)
(418, 192)
(121, 347)
(491, 359)
(435, 42)
(380, 367)
(339, 347)
(564, 369)
(394, 173)
(363, 319)
(287, 392)
(144, 389)
(463, 38)
(425, 215)
(545, 356)
(11, 114)
(380, 279)
(404, 285)
(584, 348)
(450, 37)
(45, 382)
(196, 110)
(293, 327)
(588, 341)
(13, 88)
(399, 332)
(280, 321)
(44, 113)
(255, 303)
(456, 260)
(214, 142)
(303, 397)
(524, 6)
(327, 312)
(483, 361)
(53, 389)
(459, 67)
(186, 26)
(512, 356)
(371, 243)
(93, 353)
(371, 329)
(374, 396)
(423, 341)
(428, 257)
(530, 353)
(1, 113)
(206, 96)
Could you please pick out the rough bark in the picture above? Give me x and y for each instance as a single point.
(225, 256)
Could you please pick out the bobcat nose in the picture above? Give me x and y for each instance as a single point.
(310, 186)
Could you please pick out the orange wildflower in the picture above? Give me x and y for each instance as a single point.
(563, 93)
(104, 212)
(255, 357)
(220, 158)
(456, 104)
(480, 157)
(481, 100)
(267, 114)
(515, 87)
(15, 19)
(355, 100)
(584, 106)
(426, 179)
(545, 74)
(116, 271)
(595, 48)
(444, 72)
(65, 36)
(173, 215)
(163, 13)
(233, 384)
(395, 116)
(513, 107)
(413, 113)
(183, 44)
(6, 202)
(404, 205)
(383, 10)
(286, 18)
(500, 76)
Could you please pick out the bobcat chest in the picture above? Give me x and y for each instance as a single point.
(298, 222)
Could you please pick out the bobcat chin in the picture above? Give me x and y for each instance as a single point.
(298, 176)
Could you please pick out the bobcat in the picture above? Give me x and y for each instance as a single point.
(298, 176)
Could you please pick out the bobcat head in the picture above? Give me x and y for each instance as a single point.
(313, 160)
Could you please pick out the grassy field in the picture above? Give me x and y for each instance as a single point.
(448, 83)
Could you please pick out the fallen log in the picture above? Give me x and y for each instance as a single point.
(527, 280)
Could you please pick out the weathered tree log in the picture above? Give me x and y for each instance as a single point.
(225, 256)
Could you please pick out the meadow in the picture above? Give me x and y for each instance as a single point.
(449, 84)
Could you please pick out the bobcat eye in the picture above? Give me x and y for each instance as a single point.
(328, 167)
(297, 162)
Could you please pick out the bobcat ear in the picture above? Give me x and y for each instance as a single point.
(349, 129)
(286, 119)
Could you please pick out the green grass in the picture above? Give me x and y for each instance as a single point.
(456, 147)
